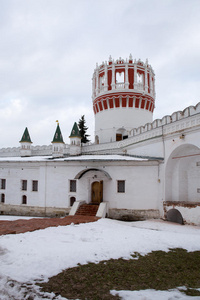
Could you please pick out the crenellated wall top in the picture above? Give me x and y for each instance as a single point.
(174, 117)
(179, 120)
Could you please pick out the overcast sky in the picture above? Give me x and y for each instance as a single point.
(49, 49)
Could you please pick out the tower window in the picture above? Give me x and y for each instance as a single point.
(102, 81)
(119, 77)
(121, 186)
(72, 186)
(3, 184)
(34, 185)
(24, 185)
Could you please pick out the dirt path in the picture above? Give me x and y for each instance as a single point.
(21, 225)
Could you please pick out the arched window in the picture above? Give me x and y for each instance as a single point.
(2, 198)
(72, 200)
(24, 199)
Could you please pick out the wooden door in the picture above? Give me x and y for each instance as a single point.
(97, 192)
(118, 136)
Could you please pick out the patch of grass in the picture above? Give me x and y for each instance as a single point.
(158, 270)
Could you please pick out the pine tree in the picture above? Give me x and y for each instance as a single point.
(83, 129)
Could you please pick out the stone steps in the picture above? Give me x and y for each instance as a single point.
(87, 210)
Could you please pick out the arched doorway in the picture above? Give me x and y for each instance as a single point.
(72, 200)
(97, 192)
(182, 174)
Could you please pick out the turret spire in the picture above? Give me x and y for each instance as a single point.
(58, 135)
(25, 137)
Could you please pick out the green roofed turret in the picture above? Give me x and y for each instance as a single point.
(75, 131)
(25, 137)
(58, 135)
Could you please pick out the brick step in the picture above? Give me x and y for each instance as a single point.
(87, 210)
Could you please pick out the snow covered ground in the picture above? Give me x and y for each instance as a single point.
(33, 256)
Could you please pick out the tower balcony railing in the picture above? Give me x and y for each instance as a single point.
(140, 87)
(119, 85)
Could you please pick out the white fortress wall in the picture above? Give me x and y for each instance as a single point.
(179, 122)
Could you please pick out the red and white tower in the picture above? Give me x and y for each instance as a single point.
(123, 94)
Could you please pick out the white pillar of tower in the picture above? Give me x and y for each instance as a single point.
(154, 93)
(113, 76)
(106, 77)
(146, 83)
(150, 80)
(126, 77)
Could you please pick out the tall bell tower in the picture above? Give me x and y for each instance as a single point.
(123, 94)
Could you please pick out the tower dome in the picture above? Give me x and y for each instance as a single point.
(123, 94)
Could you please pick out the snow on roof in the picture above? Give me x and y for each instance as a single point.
(75, 158)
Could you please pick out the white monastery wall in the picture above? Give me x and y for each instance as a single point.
(54, 177)
(141, 187)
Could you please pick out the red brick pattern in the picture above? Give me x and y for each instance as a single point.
(21, 226)
(87, 210)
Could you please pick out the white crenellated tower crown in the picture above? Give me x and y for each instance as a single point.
(123, 94)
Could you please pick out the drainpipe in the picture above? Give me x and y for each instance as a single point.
(163, 181)
(45, 188)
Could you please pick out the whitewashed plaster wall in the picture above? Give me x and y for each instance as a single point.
(141, 183)
(14, 172)
(107, 122)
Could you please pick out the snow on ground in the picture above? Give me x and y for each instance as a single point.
(38, 255)
(13, 218)
(153, 295)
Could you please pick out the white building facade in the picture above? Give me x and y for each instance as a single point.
(150, 171)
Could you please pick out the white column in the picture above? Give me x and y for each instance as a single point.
(126, 77)
(113, 77)
(154, 92)
(150, 80)
(106, 77)
(146, 82)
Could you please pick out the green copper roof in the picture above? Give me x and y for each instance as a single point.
(75, 131)
(25, 137)
(58, 136)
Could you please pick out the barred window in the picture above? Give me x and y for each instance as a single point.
(72, 186)
(3, 184)
(24, 185)
(121, 186)
(34, 185)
